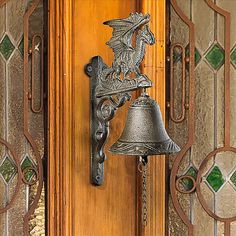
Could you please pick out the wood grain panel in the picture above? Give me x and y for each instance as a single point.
(109, 209)
(60, 118)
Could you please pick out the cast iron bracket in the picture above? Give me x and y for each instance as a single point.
(104, 103)
(110, 87)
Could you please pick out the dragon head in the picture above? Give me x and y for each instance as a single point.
(146, 35)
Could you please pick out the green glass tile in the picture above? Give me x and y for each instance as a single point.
(26, 164)
(197, 55)
(233, 178)
(233, 57)
(6, 47)
(215, 178)
(7, 169)
(216, 56)
(188, 183)
(21, 47)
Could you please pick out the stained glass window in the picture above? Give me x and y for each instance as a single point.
(203, 175)
(22, 195)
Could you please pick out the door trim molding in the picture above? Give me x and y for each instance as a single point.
(60, 118)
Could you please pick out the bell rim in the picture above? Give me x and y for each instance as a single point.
(144, 148)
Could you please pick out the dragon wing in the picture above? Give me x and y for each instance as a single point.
(123, 30)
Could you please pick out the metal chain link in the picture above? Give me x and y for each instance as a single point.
(143, 168)
(144, 197)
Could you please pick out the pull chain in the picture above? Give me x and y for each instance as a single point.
(143, 168)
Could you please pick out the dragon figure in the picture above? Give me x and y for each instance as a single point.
(127, 58)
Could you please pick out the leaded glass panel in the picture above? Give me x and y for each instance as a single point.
(22, 195)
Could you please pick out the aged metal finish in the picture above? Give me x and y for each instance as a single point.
(32, 181)
(127, 58)
(143, 168)
(183, 105)
(102, 110)
(179, 183)
(110, 87)
(144, 133)
(37, 45)
(175, 181)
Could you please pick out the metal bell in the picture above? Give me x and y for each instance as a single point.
(144, 133)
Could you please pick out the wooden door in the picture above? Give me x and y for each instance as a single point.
(111, 208)
(75, 206)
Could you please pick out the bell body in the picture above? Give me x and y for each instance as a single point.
(144, 133)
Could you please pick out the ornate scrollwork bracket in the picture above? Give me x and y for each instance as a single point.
(110, 87)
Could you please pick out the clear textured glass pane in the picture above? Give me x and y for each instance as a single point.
(203, 18)
(225, 207)
(226, 161)
(179, 30)
(233, 228)
(14, 112)
(203, 223)
(17, 212)
(176, 225)
(3, 20)
(3, 200)
(228, 5)
(15, 11)
(204, 113)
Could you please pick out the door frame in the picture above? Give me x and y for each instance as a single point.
(61, 120)
(60, 117)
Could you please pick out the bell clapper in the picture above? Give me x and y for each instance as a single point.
(143, 168)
